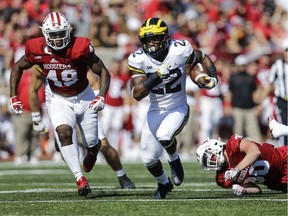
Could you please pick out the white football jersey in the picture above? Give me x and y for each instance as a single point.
(170, 93)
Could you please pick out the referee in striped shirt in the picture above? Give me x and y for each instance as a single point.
(278, 81)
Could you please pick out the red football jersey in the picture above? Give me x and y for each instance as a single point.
(270, 169)
(65, 70)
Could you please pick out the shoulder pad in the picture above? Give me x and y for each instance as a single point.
(81, 47)
(135, 61)
(181, 47)
(137, 56)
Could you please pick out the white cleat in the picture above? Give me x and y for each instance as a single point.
(276, 129)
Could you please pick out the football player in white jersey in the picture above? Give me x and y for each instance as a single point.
(159, 70)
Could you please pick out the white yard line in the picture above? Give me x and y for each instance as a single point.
(144, 200)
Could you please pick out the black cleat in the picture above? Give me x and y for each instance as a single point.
(177, 172)
(126, 183)
(163, 190)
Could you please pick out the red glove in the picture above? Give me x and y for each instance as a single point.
(16, 105)
(98, 103)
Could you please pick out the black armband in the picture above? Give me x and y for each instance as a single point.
(152, 81)
(212, 71)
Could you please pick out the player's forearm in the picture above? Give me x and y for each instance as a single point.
(251, 151)
(139, 92)
(248, 160)
(210, 66)
(34, 102)
(104, 82)
(252, 190)
(15, 77)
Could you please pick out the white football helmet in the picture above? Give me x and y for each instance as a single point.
(210, 154)
(56, 30)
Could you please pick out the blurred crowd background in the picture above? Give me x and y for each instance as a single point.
(239, 35)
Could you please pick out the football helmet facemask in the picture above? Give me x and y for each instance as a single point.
(56, 30)
(210, 154)
(154, 36)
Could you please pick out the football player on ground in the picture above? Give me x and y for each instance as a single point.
(242, 164)
(110, 154)
(159, 70)
(64, 60)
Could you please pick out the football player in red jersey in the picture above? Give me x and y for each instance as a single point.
(64, 60)
(110, 154)
(243, 164)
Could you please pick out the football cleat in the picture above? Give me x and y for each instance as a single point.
(177, 172)
(163, 190)
(83, 187)
(89, 162)
(126, 183)
(276, 129)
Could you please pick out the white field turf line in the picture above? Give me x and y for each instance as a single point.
(143, 200)
(43, 190)
(47, 190)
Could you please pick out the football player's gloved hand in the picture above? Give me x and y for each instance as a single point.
(232, 174)
(163, 72)
(38, 125)
(211, 82)
(238, 189)
(98, 103)
(16, 105)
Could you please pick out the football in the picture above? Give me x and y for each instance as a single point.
(198, 74)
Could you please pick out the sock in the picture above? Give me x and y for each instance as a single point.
(173, 157)
(120, 172)
(162, 179)
(278, 129)
(70, 156)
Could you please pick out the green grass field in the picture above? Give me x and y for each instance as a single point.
(50, 189)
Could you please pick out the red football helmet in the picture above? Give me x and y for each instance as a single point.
(56, 30)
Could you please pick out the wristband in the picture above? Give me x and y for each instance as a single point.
(152, 81)
(237, 170)
(36, 116)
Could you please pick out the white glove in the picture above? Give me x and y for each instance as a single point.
(238, 189)
(163, 72)
(38, 125)
(16, 105)
(98, 103)
(232, 174)
(212, 82)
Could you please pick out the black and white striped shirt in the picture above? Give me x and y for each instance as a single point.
(279, 78)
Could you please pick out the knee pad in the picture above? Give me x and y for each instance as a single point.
(167, 143)
(95, 149)
(151, 163)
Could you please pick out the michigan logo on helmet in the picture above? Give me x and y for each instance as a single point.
(56, 30)
(154, 36)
